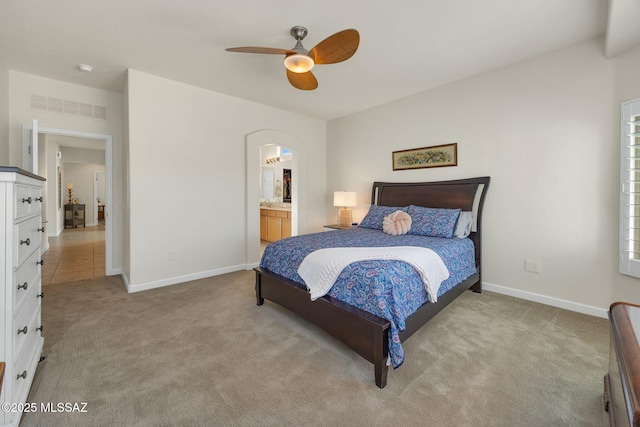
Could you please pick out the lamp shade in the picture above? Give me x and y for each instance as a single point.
(298, 63)
(344, 198)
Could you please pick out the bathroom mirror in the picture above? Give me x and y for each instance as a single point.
(268, 182)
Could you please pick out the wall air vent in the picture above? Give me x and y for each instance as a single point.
(66, 106)
(71, 107)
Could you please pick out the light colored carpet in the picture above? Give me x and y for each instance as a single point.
(203, 354)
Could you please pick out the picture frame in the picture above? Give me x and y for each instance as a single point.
(426, 157)
(75, 201)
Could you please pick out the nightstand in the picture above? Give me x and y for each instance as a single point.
(332, 227)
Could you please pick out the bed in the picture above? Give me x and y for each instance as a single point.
(377, 337)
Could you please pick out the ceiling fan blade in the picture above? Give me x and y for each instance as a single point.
(265, 50)
(302, 81)
(336, 48)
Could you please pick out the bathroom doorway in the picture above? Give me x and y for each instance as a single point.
(276, 193)
(298, 153)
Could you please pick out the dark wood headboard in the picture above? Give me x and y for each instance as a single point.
(465, 194)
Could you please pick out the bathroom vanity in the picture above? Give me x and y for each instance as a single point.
(275, 222)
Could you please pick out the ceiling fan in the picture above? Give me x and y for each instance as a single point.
(299, 61)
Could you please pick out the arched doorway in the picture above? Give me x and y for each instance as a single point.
(299, 186)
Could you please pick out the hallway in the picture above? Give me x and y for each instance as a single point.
(76, 254)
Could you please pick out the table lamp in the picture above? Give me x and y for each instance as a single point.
(69, 190)
(345, 199)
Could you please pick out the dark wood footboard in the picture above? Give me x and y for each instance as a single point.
(364, 333)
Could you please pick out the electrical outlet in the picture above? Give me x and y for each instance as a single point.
(172, 255)
(532, 266)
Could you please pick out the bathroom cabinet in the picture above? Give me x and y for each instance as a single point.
(275, 224)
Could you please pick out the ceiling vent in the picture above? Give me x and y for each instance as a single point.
(66, 106)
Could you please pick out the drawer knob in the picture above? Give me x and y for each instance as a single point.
(41, 262)
(38, 199)
(27, 200)
(23, 286)
(41, 295)
(41, 229)
(27, 242)
(23, 375)
(40, 328)
(23, 330)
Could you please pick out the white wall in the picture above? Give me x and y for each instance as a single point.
(22, 85)
(187, 178)
(126, 197)
(4, 116)
(81, 175)
(547, 132)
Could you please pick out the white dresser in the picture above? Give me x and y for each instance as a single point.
(20, 263)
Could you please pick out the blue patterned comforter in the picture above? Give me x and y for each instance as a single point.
(389, 289)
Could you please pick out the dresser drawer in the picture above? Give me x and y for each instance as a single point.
(28, 200)
(28, 239)
(26, 281)
(25, 366)
(36, 199)
(26, 326)
(282, 214)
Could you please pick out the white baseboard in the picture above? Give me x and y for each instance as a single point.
(125, 279)
(544, 299)
(180, 279)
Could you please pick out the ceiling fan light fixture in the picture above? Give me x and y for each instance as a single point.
(298, 63)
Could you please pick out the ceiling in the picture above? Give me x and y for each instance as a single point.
(405, 47)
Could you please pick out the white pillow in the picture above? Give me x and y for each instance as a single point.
(463, 227)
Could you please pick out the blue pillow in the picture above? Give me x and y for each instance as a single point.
(433, 222)
(376, 215)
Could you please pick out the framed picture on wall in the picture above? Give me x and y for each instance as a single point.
(426, 157)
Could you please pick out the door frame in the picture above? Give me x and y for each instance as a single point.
(108, 145)
(95, 194)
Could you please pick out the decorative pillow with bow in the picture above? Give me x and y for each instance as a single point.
(397, 223)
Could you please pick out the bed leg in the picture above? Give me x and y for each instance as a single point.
(380, 355)
(259, 299)
(381, 370)
(477, 288)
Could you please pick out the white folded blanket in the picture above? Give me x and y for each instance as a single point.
(321, 268)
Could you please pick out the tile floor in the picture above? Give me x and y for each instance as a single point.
(76, 254)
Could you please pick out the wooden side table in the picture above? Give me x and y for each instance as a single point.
(622, 383)
(1, 374)
(74, 215)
